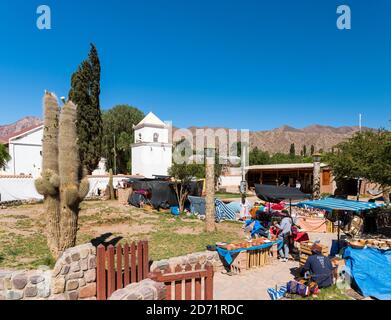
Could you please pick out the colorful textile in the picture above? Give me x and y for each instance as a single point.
(227, 254)
(223, 212)
(330, 204)
(277, 294)
(312, 224)
(299, 288)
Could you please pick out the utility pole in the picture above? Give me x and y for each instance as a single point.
(209, 155)
(115, 158)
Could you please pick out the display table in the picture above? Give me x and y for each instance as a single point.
(228, 255)
(312, 224)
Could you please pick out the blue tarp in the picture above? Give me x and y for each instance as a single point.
(227, 254)
(330, 204)
(222, 211)
(371, 270)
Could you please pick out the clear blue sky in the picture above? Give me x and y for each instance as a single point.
(239, 64)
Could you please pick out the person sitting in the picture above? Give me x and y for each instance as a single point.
(319, 267)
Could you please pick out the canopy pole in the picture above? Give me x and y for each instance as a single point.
(290, 207)
(338, 231)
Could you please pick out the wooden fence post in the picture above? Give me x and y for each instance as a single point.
(101, 273)
(119, 267)
(110, 271)
(209, 282)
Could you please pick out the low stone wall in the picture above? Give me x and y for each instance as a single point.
(144, 290)
(74, 275)
(26, 285)
(73, 278)
(193, 258)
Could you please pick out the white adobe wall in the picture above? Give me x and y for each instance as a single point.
(25, 159)
(148, 132)
(149, 160)
(25, 154)
(18, 188)
(23, 188)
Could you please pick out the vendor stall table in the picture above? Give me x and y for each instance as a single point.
(240, 260)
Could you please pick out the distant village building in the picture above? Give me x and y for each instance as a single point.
(291, 173)
(151, 150)
(25, 149)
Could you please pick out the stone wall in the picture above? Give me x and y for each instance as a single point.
(73, 278)
(26, 285)
(144, 290)
(193, 258)
(74, 275)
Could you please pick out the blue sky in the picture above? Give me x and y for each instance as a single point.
(239, 64)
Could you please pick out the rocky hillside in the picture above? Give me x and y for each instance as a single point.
(18, 126)
(280, 139)
(276, 140)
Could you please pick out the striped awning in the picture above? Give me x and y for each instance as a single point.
(330, 204)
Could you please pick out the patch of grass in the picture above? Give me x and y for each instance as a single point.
(330, 293)
(24, 251)
(165, 244)
(24, 224)
(227, 195)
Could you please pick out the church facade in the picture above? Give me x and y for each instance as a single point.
(152, 149)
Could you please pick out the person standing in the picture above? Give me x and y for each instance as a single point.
(244, 209)
(285, 232)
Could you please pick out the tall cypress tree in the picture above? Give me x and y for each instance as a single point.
(292, 151)
(84, 92)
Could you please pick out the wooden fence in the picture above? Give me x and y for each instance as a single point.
(118, 266)
(185, 283)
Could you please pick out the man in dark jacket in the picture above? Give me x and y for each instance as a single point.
(319, 267)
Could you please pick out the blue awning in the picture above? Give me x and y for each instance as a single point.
(330, 204)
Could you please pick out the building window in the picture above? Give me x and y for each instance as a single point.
(139, 137)
(155, 137)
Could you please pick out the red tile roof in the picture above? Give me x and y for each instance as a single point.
(15, 134)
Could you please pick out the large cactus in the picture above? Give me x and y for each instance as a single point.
(72, 190)
(49, 183)
(110, 187)
(63, 182)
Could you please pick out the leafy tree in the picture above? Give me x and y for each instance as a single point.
(365, 155)
(258, 157)
(304, 150)
(312, 149)
(118, 125)
(183, 174)
(85, 92)
(4, 156)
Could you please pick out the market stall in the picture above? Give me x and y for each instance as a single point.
(244, 255)
(338, 208)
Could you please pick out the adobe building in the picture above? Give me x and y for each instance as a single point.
(287, 174)
(151, 150)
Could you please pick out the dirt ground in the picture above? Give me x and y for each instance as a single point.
(23, 240)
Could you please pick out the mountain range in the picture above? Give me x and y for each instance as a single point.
(276, 140)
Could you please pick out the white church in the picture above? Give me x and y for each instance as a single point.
(152, 147)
